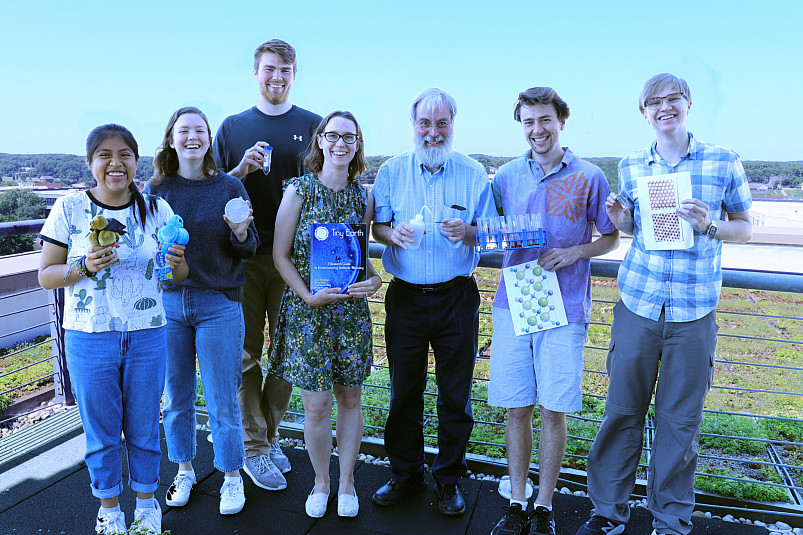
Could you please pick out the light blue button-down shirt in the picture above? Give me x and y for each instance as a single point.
(403, 185)
(686, 282)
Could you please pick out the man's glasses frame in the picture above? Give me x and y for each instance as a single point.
(655, 102)
(426, 124)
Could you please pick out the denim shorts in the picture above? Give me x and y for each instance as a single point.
(544, 367)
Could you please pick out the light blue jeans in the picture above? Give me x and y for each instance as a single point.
(207, 324)
(116, 378)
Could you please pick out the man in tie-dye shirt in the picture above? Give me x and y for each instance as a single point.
(545, 367)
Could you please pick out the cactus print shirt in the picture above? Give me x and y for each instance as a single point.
(125, 296)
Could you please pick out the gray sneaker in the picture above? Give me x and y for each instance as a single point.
(279, 458)
(264, 473)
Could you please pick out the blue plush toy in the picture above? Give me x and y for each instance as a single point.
(171, 234)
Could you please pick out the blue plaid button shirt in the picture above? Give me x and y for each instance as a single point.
(403, 185)
(686, 283)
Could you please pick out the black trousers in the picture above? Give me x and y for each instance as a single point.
(449, 322)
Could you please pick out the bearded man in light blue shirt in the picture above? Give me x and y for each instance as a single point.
(432, 299)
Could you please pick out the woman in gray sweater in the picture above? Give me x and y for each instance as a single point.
(204, 313)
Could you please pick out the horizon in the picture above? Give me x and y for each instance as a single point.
(70, 68)
(472, 154)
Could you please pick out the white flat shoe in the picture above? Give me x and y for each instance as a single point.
(316, 504)
(348, 505)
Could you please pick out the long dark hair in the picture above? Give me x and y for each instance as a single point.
(93, 141)
(166, 160)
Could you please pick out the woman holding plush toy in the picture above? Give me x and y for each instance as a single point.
(100, 246)
(204, 314)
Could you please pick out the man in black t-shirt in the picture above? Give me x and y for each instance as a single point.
(240, 149)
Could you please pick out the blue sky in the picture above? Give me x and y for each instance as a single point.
(68, 67)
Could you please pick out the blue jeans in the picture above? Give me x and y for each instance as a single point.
(116, 379)
(207, 324)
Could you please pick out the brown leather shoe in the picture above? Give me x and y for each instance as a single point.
(450, 499)
(394, 492)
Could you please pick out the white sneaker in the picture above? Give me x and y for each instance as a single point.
(111, 523)
(148, 521)
(232, 495)
(179, 492)
(279, 458)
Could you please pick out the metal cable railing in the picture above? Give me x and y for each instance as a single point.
(781, 335)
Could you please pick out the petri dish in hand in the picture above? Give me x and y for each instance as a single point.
(236, 210)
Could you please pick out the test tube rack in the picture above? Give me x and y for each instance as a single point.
(505, 241)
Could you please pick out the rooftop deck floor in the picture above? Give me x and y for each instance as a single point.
(47, 492)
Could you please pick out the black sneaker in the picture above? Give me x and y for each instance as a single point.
(599, 525)
(542, 521)
(514, 522)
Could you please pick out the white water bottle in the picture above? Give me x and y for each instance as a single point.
(419, 226)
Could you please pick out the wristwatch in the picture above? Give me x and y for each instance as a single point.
(712, 229)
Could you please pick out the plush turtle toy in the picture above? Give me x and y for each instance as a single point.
(104, 232)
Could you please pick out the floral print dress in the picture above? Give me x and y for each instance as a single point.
(318, 346)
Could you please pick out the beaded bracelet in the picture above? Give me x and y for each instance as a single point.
(83, 270)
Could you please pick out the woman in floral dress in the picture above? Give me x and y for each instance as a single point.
(323, 340)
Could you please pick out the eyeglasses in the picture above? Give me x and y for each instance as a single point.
(426, 124)
(332, 137)
(655, 102)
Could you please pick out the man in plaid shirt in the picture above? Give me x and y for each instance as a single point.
(664, 319)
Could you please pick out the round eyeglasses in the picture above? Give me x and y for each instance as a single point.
(332, 137)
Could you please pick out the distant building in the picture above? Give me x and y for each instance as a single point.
(775, 182)
(51, 194)
(23, 173)
(24, 305)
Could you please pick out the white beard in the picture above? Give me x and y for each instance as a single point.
(432, 157)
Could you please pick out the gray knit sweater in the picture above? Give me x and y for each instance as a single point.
(214, 255)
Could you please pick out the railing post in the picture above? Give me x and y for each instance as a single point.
(61, 377)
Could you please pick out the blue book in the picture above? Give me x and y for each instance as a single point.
(339, 255)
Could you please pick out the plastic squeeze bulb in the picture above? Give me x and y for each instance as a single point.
(418, 224)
